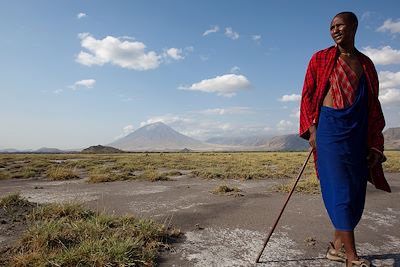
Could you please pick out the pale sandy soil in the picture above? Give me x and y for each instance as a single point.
(229, 230)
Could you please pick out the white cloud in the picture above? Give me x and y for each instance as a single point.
(58, 91)
(81, 15)
(168, 119)
(199, 127)
(383, 56)
(285, 126)
(231, 34)
(227, 111)
(388, 79)
(126, 130)
(174, 53)
(256, 38)
(88, 83)
(211, 30)
(235, 69)
(288, 98)
(121, 52)
(390, 96)
(226, 85)
(391, 26)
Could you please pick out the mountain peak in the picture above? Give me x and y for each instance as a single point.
(156, 136)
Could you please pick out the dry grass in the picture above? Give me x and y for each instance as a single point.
(12, 200)
(207, 165)
(224, 189)
(70, 235)
(61, 173)
(309, 185)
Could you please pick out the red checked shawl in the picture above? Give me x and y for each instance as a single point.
(315, 88)
(343, 84)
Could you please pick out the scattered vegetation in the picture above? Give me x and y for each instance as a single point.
(224, 189)
(8, 202)
(392, 163)
(70, 235)
(131, 166)
(61, 173)
(308, 184)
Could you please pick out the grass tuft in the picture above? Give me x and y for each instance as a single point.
(12, 200)
(224, 189)
(308, 185)
(70, 235)
(61, 173)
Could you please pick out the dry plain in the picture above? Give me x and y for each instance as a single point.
(218, 228)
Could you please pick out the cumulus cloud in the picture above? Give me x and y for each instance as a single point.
(383, 56)
(203, 127)
(285, 126)
(88, 83)
(289, 98)
(81, 15)
(390, 26)
(388, 79)
(173, 53)
(231, 34)
(227, 111)
(168, 119)
(390, 96)
(226, 85)
(122, 52)
(211, 30)
(256, 38)
(126, 130)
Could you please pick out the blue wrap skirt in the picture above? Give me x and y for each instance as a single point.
(341, 141)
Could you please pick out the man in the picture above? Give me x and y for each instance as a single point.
(341, 116)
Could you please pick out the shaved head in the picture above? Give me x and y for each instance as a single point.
(350, 17)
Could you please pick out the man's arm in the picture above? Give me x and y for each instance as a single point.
(307, 105)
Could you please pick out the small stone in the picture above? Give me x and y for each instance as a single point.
(310, 241)
(198, 227)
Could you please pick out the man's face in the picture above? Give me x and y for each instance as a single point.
(342, 31)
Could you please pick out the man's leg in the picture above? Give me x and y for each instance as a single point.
(337, 241)
(347, 238)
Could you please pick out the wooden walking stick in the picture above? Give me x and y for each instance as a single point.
(284, 205)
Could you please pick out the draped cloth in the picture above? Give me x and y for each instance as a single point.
(343, 83)
(342, 159)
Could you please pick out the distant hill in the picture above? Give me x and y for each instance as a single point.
(157, 137)
(48, 150)
(289, 142)
(99, 149)
(392, 138)
(240, 140)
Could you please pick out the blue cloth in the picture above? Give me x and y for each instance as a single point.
(342, 159)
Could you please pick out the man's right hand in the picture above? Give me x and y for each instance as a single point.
(313, 136)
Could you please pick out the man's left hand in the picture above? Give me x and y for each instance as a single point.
(373, 158)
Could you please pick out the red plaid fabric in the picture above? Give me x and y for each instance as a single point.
(343, 84)
(315, 88)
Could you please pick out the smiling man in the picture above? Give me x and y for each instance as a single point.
(342, 118)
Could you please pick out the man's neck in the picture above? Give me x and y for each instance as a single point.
(347, 49)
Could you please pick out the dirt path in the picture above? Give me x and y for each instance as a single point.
(229, 230)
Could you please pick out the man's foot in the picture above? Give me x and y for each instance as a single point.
(334, 254)
(360, 262)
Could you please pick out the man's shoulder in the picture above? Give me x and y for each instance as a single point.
(324, 53)
(365, 58)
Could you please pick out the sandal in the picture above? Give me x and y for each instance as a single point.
(335, 255)
(360, 262)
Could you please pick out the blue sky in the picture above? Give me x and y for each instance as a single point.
(81, 73)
